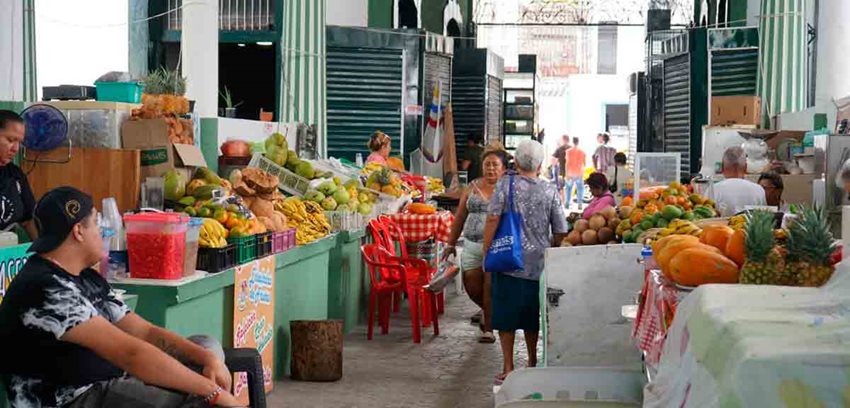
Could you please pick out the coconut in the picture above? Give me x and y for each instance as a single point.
(589, 237)
(581, 225)
(574, 237)
(625, 212)
(605, 234)
(596, 222)
(613, 223)
(608, 212)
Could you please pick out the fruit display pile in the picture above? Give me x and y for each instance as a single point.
(749, 250)
(333, 195)
(599, 229)
(385, 180)
(307, 217)
(277, 150)
(659, 207)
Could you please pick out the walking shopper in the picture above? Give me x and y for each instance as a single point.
(472, 157)
(515, 295)
(469, 219)
(575, 161)
(603, 157)
(76, 344)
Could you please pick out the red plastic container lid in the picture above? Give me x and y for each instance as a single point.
(164, 218)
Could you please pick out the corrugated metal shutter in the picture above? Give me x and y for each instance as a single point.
(364, 91)
(494, 109)
(438, 69)
(468, 106)
(633, 130)
(734, 72)
(677, 108)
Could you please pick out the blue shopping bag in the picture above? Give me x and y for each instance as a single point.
(505, 252)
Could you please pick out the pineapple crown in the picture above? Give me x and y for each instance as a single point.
(810, 238)
(165, 82)
(759, 239)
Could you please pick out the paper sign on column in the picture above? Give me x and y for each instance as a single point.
(253, 318)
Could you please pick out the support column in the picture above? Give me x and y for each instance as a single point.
(139, 37)
(833, 58)
(199, 54)
(12, 50)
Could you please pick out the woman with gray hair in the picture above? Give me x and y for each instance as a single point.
(515, 295)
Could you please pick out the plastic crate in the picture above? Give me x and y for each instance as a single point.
(572, 386)
(246, 249)
(216, 259)
(289, 181)
(264, 244)
(283, 241)
(129, 92)
(344, 220)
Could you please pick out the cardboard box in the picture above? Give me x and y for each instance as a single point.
(158, 154)
(735, 110)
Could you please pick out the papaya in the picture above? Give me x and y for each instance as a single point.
(671, 212)
(735, 247)
(204, 192)
(716, 236)
(420, 208)
(663, 242)
(663, 258)
(697, 266)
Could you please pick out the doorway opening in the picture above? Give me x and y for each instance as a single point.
(247, 70)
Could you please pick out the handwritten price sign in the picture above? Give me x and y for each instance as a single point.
(253, 317)
(12, 260)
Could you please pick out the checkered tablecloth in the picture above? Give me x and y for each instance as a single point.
(658, 301)
(422, 227)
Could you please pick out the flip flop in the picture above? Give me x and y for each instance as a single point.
(487, 338)
(500, 379)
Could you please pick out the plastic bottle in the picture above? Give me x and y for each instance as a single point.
(359, 160)
(648, 260)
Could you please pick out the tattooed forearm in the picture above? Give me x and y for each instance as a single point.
(169, 348)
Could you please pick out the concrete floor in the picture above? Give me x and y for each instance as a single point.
(451, 370)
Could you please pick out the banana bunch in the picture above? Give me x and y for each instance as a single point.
(371, 167)
(213, 234)
(435, 185)
(680, 227)
(737, 222)
(307, 217)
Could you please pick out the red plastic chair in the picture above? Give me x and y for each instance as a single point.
(393, 228)
(390, 228)
(387, 274)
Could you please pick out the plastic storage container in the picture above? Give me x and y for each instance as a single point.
(246, 249)
(572, 387)
(283, 241)
(128, 92)
(156, 244)
(94, 124)
(264, 244)
(216, 259)
(289, 181)
(190, 259)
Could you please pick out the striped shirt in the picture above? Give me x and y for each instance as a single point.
(604, 156)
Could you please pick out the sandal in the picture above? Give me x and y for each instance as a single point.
(500, 379)
(487, 338)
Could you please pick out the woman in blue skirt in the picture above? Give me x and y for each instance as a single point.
(516, 295)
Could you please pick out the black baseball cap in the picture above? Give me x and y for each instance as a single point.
(55, 215)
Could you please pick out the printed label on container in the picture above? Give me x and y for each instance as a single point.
(153, 157)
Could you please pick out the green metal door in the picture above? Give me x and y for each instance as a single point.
(364, 94)
(734, 72)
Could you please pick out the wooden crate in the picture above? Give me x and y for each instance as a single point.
(101, 173)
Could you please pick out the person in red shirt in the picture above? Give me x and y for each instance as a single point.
(575, 161)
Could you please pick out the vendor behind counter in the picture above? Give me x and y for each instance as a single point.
(16, 197)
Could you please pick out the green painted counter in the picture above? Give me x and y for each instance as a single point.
(205, 305)
(348, 285)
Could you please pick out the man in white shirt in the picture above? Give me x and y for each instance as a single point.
(735, 193)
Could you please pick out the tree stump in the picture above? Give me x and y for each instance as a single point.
(316, 350)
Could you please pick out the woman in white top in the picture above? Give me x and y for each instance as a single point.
(618, 175)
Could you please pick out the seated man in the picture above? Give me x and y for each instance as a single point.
(74, 344)
(735, 193)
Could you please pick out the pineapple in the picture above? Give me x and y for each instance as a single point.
(764, 263)
(810, 245)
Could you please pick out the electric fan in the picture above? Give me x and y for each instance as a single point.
(46, 129)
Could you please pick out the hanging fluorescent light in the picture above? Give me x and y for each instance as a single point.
(264, 43)
(240, 45)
